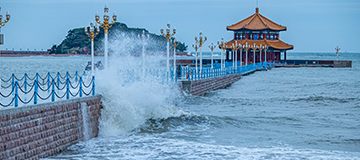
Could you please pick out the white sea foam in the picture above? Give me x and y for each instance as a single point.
(150, 147)
(131, 97)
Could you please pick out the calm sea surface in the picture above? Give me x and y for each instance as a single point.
(283, 113)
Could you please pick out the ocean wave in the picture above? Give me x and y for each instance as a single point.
(324, 98)
(161, 125)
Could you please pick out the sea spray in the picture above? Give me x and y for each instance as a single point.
(129, 97)
(85, 119)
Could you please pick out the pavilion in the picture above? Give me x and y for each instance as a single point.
(258, 40)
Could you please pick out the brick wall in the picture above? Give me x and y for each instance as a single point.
(39, 131)
(200, 87)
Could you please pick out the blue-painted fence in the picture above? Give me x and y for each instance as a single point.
(48, 88)
(190, 73)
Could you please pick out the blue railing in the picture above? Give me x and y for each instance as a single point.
(190, 73)
(26, 90)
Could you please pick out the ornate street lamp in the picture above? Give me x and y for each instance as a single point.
(254, 48)
(234, 49)
(144, 40)
(201, 41)
(222, 46)
(337, 52)
(246, 47)
(168, 35)
(2, 24)
(261, 49)
(212, 47)
(92, 34)
(175, 44)
(196, 48)
(265, 48)
(106, 25)
(241, 49)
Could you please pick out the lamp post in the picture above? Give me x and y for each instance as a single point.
(175, 44)
(337, 52)
(241, 49)
(168, 35)
(212, 47)
(246, 47)
(261, 49)
(106, 25)
(234, 49)
(144, 40)
(92, 34)
(222, 46)
(254, 48)
(201, 41)
(2, 24)
(265, 48)
(196, 48)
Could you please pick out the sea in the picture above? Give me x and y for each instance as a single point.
(282, 113)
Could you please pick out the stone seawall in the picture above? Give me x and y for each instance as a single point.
(200, 87)
(342, 64)
(39, 131)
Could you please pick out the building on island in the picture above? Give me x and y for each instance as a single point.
(256, 34)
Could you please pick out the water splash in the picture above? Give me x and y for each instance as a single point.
(130, 97)
(85, 119)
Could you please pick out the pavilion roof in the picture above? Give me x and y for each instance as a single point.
(274, 44)
(256, 22)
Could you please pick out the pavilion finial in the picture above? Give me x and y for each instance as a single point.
(257, 10)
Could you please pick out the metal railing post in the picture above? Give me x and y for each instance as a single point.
(53, 90)
(16, 94)
(48, 81)
(35, 91)
(13, 81)
(25, 81)
(80, 88)
(37, 76)
(67, 88)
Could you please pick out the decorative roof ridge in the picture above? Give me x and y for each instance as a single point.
(252, 18)
(261, 17)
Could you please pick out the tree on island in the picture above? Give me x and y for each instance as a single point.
(77, 42)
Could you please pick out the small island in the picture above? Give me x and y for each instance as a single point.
(78, 43)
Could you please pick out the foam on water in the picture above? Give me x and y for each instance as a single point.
(149, 147)
(132, 96)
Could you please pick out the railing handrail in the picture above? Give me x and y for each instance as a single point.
(35, 86)
(48, 76)
(189, 73)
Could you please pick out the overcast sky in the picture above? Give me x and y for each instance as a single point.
(312, 25)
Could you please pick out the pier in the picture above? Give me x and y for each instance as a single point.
(314, 63)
